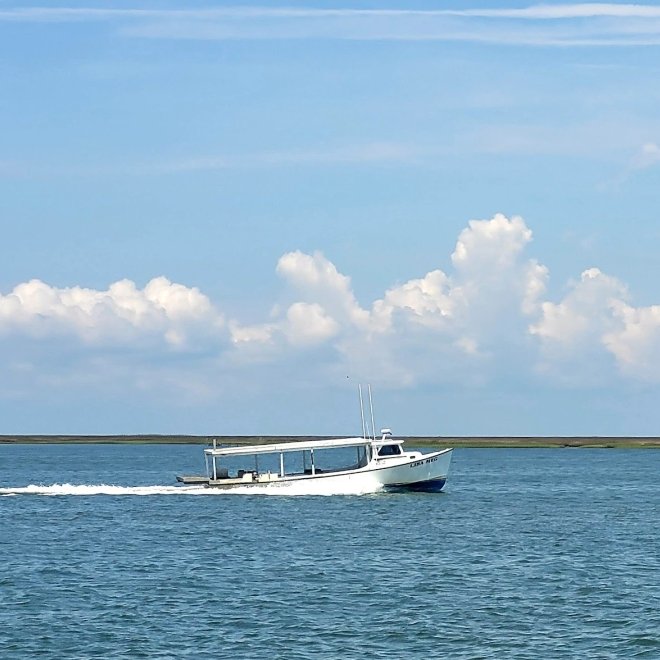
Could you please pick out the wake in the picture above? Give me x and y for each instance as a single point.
(93, 489)
(289, 489)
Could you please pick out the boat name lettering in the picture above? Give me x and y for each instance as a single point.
(428, 460)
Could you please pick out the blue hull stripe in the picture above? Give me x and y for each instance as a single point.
(428, 486)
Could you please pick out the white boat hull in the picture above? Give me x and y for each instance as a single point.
(425, 472)
(428, 472)
(409, 471)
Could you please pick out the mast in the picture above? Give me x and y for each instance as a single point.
(371, 406)
(364, 427)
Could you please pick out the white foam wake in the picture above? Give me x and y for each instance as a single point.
(97, 489)
(300, 488)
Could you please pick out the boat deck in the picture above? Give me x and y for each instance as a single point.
(246, 480)
(192, 480)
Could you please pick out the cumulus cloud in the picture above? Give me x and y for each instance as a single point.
(492, 270)
(484, 318)
(635, 341)
(595, 332)
(319, 281)
(584, 315)
(454, 326)
(573, 332)
(325, 307)
(162, 310)
(492, 281)
(309, 324)
(426, 301)
(439, 326)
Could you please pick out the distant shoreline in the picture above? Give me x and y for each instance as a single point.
(419, 441)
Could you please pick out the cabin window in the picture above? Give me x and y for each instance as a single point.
(389, 450)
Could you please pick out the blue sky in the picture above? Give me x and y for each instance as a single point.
(219, 218)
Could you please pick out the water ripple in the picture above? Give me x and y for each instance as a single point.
(513, 561)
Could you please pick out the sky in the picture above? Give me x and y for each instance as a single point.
(220, 218)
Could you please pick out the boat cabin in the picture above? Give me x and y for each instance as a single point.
(277, 461)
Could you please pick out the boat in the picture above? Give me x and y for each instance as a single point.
(379, 463)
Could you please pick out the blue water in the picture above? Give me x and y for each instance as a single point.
(528, 554)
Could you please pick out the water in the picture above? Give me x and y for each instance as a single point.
(528, 554)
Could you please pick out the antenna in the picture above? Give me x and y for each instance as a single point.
(371, 406)
(364, 427)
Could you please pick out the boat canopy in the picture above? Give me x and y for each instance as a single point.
(294, 446)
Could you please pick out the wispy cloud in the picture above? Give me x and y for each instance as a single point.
(542, 25)
(582, 140)
(374, 153)
(647, 156)
(379, 153)
(559, 11)
(533, 12)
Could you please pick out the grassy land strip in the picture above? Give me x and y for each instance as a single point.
(412, 441)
